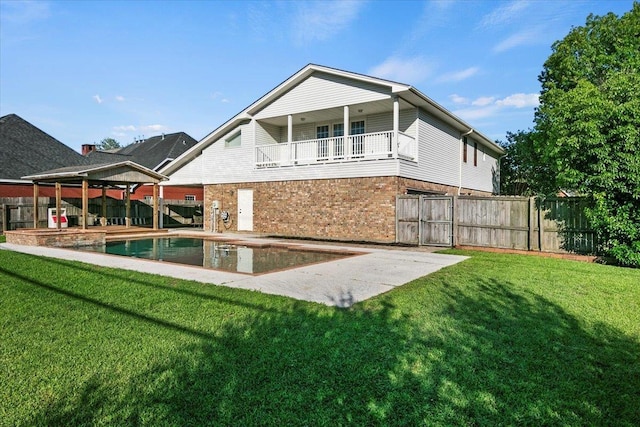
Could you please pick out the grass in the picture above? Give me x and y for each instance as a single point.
(496, 340)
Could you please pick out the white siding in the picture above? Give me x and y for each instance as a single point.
(408, 121)
(269, 134)
(438, 153)
(189, 174)
(304, 131)
(479, 177)
(321, 91)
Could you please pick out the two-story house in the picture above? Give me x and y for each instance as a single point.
(325, 153)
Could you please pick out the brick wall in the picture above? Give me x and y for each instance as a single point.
(55, 238)
(355, 209)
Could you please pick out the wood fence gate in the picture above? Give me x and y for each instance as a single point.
(436, 221)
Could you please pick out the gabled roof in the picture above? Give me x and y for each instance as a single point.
(404, 91)
(25, 150)
(152, 153)
(116, 173)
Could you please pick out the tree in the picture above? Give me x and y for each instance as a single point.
(587, 127)
(518, 170)
(108, 144)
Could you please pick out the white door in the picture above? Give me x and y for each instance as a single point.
(245, 210)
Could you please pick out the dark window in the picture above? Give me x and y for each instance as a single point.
(322, 133)
(338, 141)
(357, 128)
(475, 154)
(464, 149)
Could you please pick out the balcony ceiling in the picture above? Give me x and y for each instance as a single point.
(332, 115)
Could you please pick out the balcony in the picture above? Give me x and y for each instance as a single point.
(367, 146)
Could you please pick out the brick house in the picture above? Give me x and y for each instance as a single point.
(326, 152)
(26, 150)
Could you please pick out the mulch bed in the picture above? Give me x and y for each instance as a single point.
(574, 257)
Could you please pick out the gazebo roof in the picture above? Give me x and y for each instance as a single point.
(126, 172)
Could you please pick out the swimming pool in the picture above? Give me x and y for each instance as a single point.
(228, 256)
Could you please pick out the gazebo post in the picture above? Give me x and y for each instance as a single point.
(58, 205)
(127, 207)
(104, 205)
(85, 203)
(35, 204)
(155, 205)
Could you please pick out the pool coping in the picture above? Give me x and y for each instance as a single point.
(340, 283)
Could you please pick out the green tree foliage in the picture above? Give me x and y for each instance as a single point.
(587, 128)
(108, 144)
(518, 173)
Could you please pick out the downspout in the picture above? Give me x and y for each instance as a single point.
(469, 132)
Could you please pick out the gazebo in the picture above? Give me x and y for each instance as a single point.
(121, 174)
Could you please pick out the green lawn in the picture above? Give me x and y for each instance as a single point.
(495, 340)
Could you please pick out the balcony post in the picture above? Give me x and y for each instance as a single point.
(396, 126)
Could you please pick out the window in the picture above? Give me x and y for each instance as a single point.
(475, 154)
(322, 133)
(357, 128)
(464, 149)
(190, 197)
(148, 199)
(233, 141)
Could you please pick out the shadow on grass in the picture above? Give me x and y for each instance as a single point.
(483, 355)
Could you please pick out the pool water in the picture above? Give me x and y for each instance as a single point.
(233, 257)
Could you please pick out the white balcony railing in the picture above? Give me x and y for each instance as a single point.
(368, 146)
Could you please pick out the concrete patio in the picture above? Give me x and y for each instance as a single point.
(336, 283)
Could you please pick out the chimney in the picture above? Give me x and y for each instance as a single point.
(88, 148)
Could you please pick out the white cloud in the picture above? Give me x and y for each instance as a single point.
(459, 75)
(487, 106)
(524, 37)
(502, 14)
(483, 100)
(405, 70)
(126, 128)
(153, 128)
(120, 98)
(457, 99)
(97, 99)
(321, 20)
(520, 100)
(471, 114)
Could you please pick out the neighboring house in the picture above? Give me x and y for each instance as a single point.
(26, 150)
(325, 153)
(153, 153)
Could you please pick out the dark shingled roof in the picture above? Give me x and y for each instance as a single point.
(26, 150)
(152, 153)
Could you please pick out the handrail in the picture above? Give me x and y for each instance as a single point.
(367, 146)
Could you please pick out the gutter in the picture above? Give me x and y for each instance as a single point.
(469, 132)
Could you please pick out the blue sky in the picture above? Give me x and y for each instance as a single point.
(86, 70)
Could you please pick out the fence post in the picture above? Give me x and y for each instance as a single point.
(532, 224)
(540, 226)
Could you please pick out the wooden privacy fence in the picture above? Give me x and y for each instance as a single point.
(17, 212)
(550, 225)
